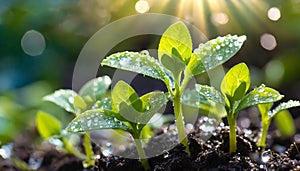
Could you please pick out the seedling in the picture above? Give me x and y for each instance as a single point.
(233, 97)
(177, 63)
(267, 115)
(90, 97)
(128, 112)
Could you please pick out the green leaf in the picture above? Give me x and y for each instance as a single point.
(95, 120)
(141, 63)
(67, 99)
(94, 89)
(103, 104)
(176, 37)
(236, 82)
(195, 99)
(210, 93)
(47, 125)
(122, 92)
(285, 123)
(284, 106)
(259, 95)
(214, 53)
(151, 102)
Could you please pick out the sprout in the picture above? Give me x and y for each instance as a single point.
(267, 115)
(128, 112)
(178, 63)
(233, 98)
(90, 96)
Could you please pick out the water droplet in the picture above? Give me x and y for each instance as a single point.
(265, 156)
(107, 149)
(124, 62)
(5, 150)
(189, 127)
(166, 154)
(260, 90)
(256, 97)
(144, 52)
(208, 125)
(218, 47)
(219, 58)
(35, 163)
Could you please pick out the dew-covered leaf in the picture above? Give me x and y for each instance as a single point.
(103, 104)
(67, 99)
(122, 92)
(210, 93)
(259, 95)
(175, 65)
(194, 99)
(236, 82)
(95, 120)
(141, 63)
(284, 106)
(176, 39)
(214, 53)
(285, 123)
(94, 89)
(47, 125)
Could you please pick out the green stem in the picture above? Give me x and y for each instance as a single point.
(180, 121)
(88, 151)
(264, 130)
(232, 134)
(141, 152)
(70, 148)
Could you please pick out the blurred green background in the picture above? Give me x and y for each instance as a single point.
(41, 40)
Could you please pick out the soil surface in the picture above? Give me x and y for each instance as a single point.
(208, 154)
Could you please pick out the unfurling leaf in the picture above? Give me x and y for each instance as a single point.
(236, 82)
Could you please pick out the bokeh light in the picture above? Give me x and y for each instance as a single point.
(142, 6)
(219, 18)
(268, 41)
(274, 14)
(33, 43)
(274, 71)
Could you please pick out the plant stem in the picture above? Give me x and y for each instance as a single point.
(232, 133)
(264, 130)
(70, 148)
(180, 122)
(141, 152)
(88, 151)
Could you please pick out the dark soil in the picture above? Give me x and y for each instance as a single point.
(211, 154)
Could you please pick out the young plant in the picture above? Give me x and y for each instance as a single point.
(233, 97)
(178, 63)
(49, 127)
(90, 97)
(128, 112)
(267, 115)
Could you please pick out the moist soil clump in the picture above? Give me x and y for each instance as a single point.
(210, 153)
